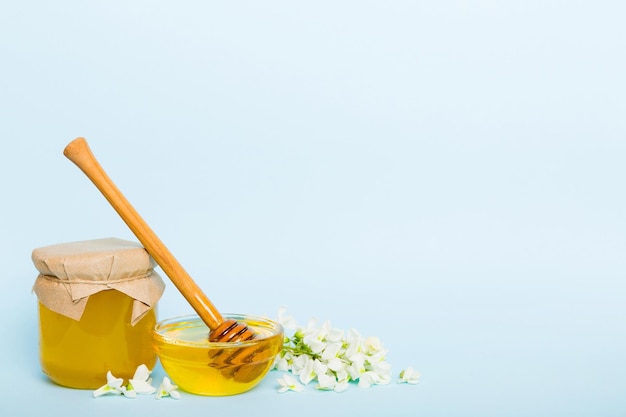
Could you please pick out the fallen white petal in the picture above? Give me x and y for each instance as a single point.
(141, 386)
(367, 379)
(409, 376)
(167, 389)
(114, 382)
(128, 393)
(106, 389)
(326, 382)
(308, 373)
(113, 386)
(289, 383)
(142, 373)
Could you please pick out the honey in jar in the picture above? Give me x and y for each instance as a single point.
(97, 310)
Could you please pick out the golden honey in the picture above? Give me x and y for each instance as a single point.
(78, 354)
(97, 309)
(216, 369)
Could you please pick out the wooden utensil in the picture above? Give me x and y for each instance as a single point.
(78, 151)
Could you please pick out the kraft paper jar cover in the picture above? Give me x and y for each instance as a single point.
(70, 272)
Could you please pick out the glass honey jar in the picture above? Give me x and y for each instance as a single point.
(97, 304)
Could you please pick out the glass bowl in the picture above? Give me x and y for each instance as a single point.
(216, 368)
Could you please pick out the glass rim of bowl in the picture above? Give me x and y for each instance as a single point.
(159, 331)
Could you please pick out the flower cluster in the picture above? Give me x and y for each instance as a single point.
(332, 357)
(140, 383)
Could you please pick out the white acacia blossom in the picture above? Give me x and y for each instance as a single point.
(331, 357)
(140, 383)
(409, 376)
(167, 389)
(288, 383)
(113, 386)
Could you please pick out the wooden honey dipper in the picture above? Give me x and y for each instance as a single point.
(78, 151)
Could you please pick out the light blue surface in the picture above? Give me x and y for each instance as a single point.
(446, 175)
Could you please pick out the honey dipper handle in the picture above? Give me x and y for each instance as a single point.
(78, 151)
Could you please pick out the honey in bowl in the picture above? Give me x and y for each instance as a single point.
(216, 369)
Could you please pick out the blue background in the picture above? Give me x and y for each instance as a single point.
(446, 175)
